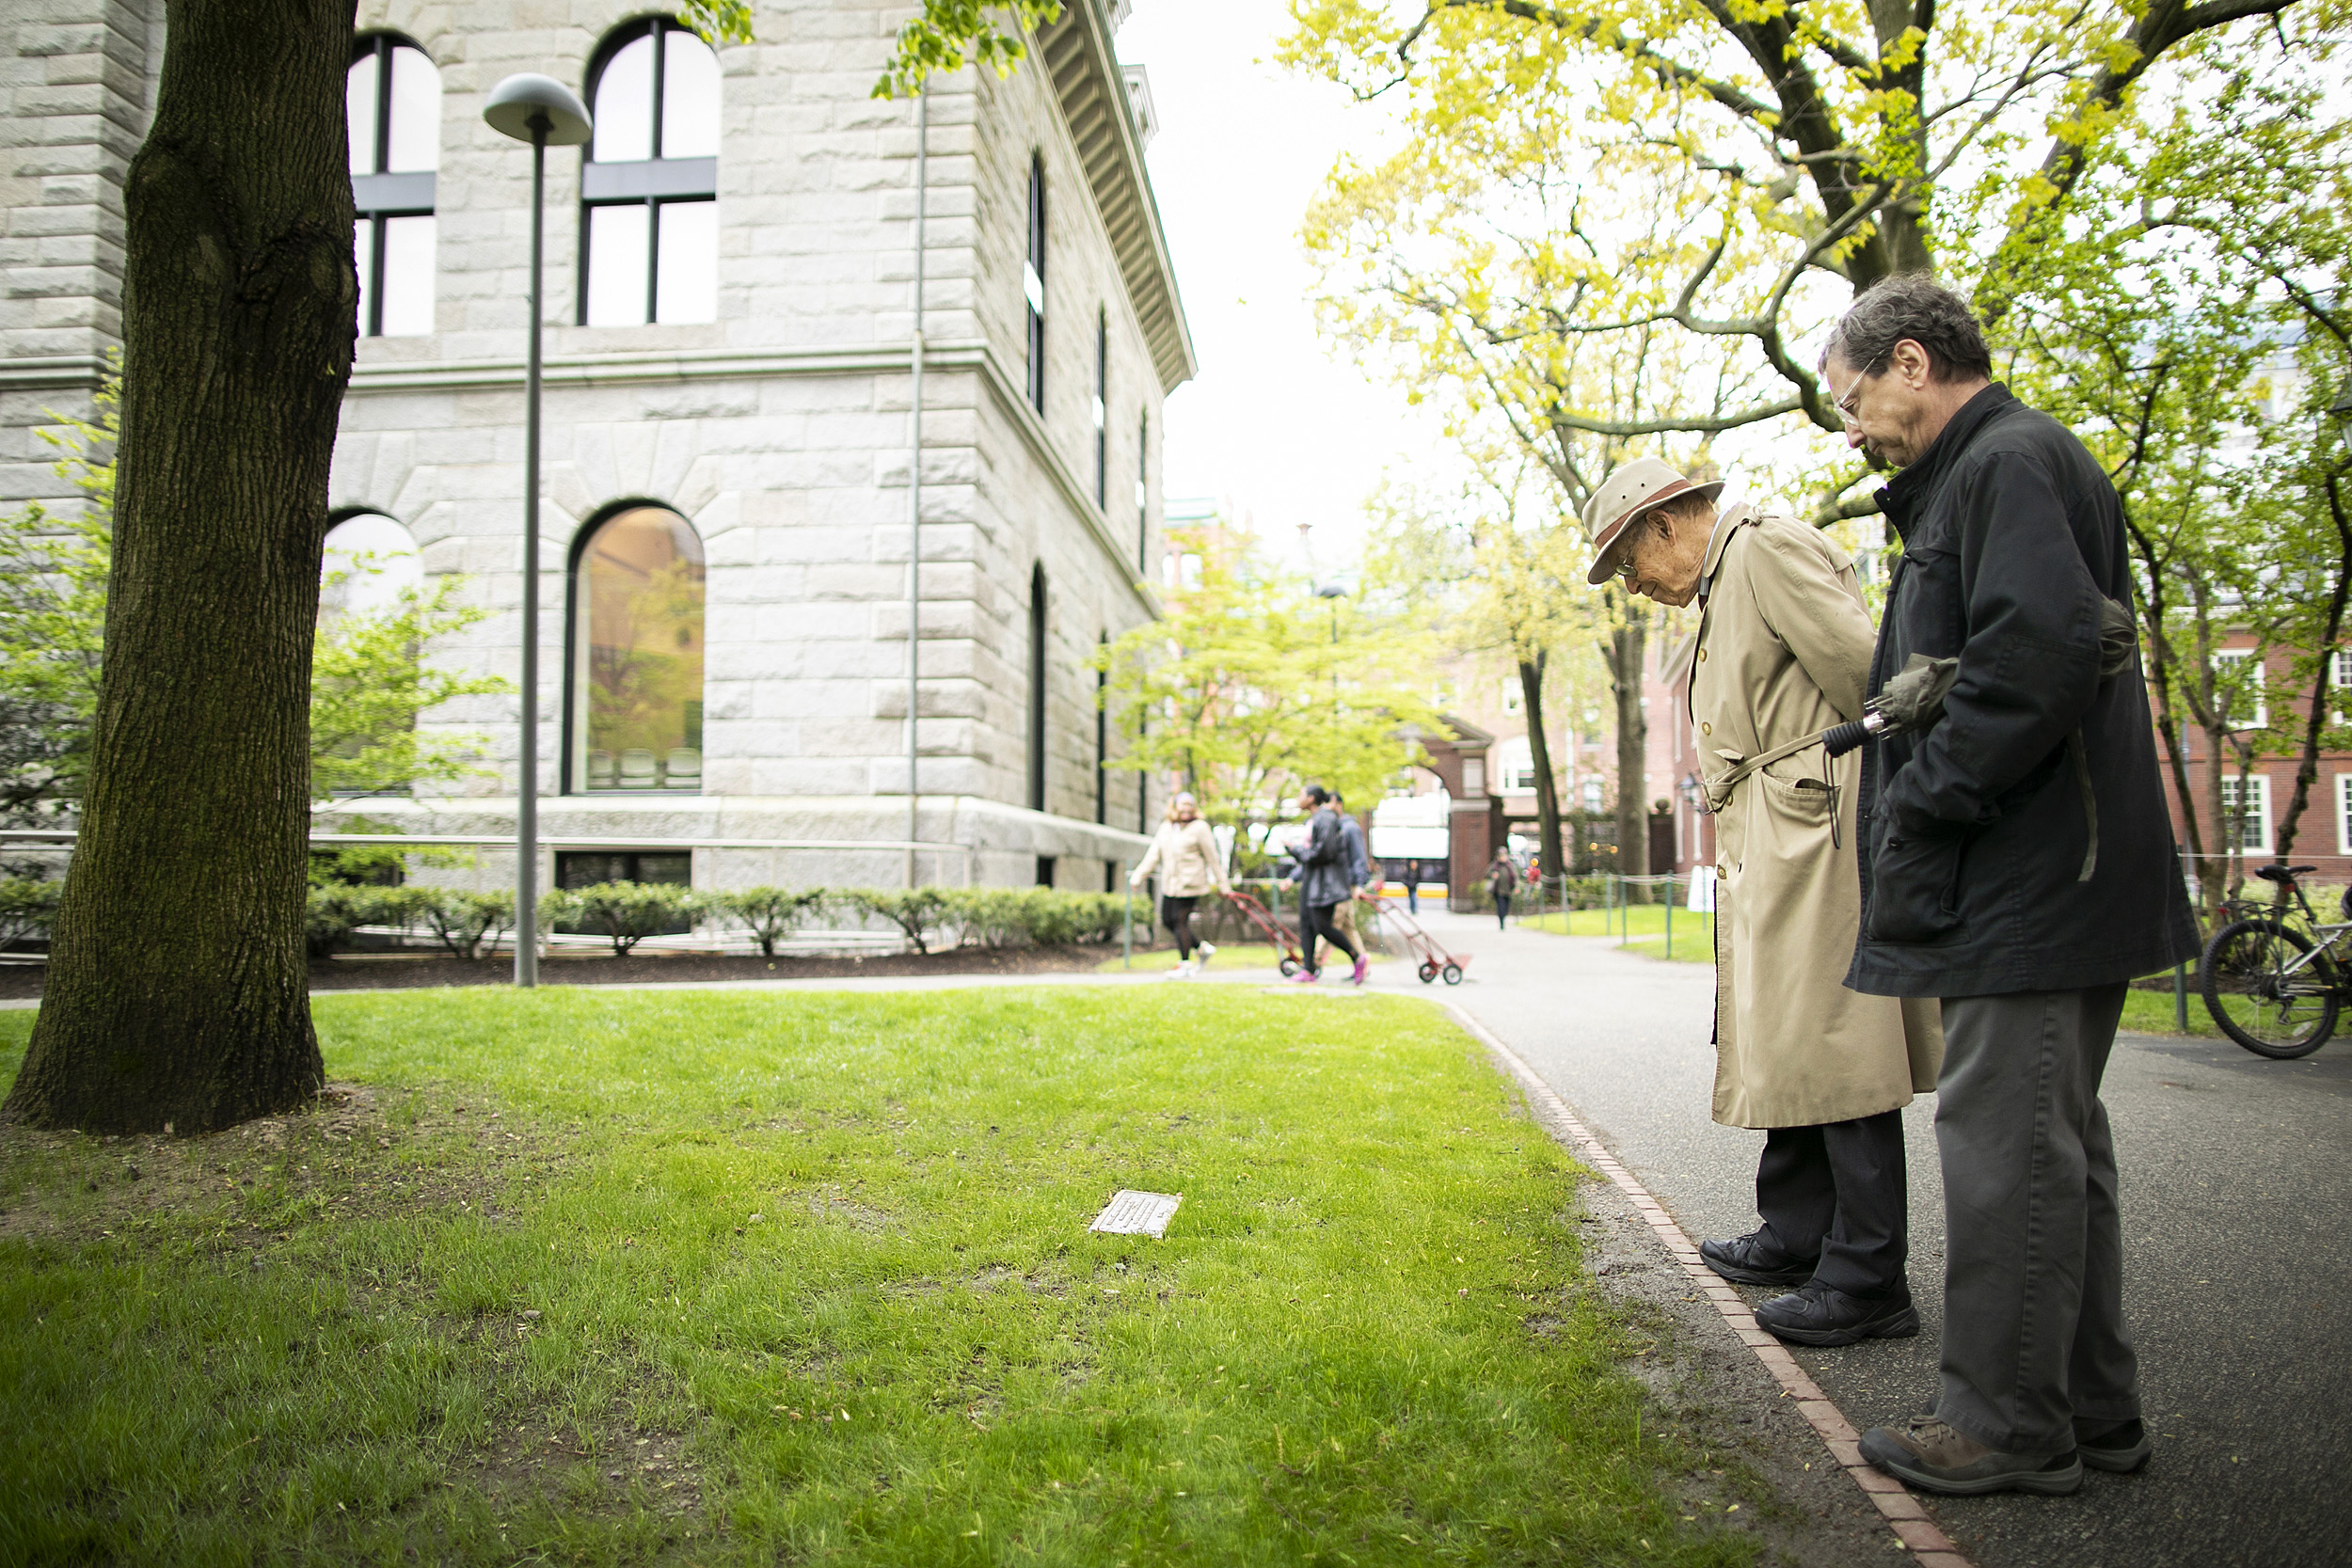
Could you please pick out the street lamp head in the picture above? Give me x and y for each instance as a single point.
(2341, 411)
(519, 101)
(1335, 589)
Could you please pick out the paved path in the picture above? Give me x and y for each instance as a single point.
(2237, 1207)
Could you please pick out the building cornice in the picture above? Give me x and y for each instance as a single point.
(1079, 57)
(51, 373)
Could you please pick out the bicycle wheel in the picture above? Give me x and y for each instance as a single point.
(2262, 999)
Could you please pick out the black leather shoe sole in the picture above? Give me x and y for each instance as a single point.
(1740, 1274)
(1896, 1322)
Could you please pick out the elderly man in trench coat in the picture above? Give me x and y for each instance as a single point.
(1783, 651)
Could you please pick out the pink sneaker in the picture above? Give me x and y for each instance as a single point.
(1363, 967)
(1304, 977)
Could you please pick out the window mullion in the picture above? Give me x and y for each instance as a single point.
(383, 104)
(653, 257)
(661, 73)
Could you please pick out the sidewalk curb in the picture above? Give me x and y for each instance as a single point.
(1929, 1546)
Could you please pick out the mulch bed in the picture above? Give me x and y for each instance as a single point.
(405, 970)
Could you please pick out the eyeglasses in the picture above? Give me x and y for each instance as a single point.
(1846, 405)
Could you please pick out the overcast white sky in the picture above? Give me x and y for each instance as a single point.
(1272, 422)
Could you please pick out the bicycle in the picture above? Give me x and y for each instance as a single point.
(2275, 981)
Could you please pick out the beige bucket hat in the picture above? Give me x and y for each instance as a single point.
(1633, 489)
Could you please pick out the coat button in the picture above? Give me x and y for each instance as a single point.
(1706, 728)
(1702, 656)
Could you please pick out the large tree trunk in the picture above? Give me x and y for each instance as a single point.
(1547, 784)
(1626, 645)
(176, 993)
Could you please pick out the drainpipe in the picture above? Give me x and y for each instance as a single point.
(914, 477)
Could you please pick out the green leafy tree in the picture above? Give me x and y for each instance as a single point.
(939, 36)
(1251, 686)
(1814, 150)
(2187, 319)
(53, 609)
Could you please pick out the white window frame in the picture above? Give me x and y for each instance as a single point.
(2258, 786)
(2260, 719)
(1513, 696)
(2340, 691)
(2343, 813)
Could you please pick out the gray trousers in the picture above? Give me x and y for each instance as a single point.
(2033, 1274)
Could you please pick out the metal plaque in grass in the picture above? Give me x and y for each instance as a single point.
(1134, 1213)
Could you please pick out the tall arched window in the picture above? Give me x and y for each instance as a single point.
(1033, 285)
(1037, 688)
(637, 654)
(649, 191)
(393, 106)
(369, 559)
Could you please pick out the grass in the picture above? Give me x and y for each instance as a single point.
(608, 1277)
(2145, 1012)
(1694, 934)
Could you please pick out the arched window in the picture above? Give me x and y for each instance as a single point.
(1037, 688)
(368, 560)
(637, 654)
(649, 219)
(1033, 285)
(392, 104)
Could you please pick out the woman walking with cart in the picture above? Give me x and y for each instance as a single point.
(1185, 853)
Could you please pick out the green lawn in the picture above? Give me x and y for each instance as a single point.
(603, 1276)
(1694, 934)
(2145, 1012)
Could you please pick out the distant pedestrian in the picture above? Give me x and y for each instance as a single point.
(1186, 850)
(1503, 880)
(1412, 887)
(1324, 870)
(2017, 865)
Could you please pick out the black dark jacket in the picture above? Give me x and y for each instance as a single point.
(1323, 861)
(1972, 835)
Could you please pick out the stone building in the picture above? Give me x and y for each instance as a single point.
(731, 323)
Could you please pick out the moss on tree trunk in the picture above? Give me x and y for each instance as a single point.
(176, 992)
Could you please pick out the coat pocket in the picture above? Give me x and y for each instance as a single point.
(1913, 888)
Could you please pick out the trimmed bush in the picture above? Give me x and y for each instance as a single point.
(629, 912)
(770, 913)
(913, 910)
(467, 922)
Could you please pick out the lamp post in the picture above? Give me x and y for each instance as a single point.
(1334, 591)
(543, 112)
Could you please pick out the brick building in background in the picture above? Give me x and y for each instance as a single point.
(730, 311)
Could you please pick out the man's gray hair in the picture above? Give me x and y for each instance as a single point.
(1916, 307)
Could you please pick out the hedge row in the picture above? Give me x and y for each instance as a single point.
(628, 912)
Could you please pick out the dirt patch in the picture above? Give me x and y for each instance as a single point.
(354, 1153)
(21, 982)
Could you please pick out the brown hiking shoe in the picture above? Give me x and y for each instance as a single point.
(1934, 1457)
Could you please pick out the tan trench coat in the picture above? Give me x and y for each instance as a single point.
(1784, 651)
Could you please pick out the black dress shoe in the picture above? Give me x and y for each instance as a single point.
(1747, 1261)
(1817, 1315)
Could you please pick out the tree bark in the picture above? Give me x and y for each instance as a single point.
(176, 995)
(1626, 645)
(1547, 784)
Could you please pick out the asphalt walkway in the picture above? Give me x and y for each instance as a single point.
(2238, 1199)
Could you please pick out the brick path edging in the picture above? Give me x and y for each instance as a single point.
(1927, 1543)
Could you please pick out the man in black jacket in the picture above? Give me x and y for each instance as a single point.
(2016, 863)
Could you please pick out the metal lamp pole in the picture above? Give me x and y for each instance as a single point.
(543, 112)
